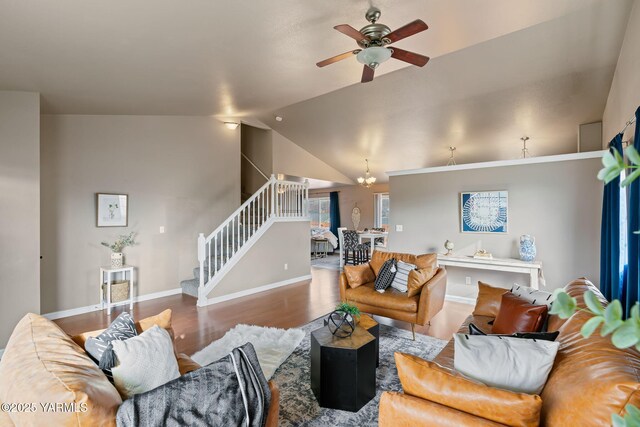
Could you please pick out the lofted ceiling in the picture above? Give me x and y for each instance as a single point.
(541, 81)
(235, 58)
(500, 69)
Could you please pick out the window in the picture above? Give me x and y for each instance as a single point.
(381, 210)
(319, 212)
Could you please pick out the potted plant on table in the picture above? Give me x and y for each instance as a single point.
(343, 320)
(116, 247)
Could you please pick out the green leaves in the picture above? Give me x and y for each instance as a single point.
(591, 325)
(612, 318)
(614, 164)
(631, 419)
(593, 303)
(628, 334)
(563, 305)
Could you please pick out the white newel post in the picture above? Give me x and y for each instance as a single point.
(306, 198)
(272, 189)
(201, 258)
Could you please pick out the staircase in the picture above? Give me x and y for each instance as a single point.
(218, 252)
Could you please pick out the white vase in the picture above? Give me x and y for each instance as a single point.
(116, 259)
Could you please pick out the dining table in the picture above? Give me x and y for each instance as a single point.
(372, 236)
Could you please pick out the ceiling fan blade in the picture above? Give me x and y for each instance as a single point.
(337, 58)
(408, 30)
(348, 30)
(367, 74)
(410, 57)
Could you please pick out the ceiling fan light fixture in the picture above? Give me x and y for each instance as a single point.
(373, 56)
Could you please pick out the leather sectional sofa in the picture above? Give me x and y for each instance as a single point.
(590, 380)
(42, 364)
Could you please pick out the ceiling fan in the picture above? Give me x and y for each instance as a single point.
(373, 39)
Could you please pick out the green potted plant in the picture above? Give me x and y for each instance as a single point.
(116, 247)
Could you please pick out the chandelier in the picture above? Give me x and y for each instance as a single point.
(368, 180)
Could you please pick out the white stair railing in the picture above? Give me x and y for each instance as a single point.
(275, 200)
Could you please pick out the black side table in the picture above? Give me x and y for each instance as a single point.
(343, 370)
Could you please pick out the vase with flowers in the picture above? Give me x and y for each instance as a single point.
(124, 240)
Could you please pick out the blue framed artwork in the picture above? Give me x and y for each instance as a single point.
(484, 212)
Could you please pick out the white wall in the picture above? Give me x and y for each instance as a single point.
(624, 96)
(283, 243)
(19, 208)
(559, 203)
(291, 159)
(182, 173)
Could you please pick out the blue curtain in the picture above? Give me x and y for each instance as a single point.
(334, 212)
(611, 271)
(632, 289)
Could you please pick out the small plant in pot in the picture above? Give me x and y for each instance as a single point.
(343, 320)
(116, 247)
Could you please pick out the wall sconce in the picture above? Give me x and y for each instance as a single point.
(231, 125)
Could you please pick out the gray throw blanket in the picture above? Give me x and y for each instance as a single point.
(229, 392)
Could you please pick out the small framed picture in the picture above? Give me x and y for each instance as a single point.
(112, 210)
(484, 212)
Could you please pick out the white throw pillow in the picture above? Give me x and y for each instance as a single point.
(144, 362)
(516, 364)
(401, 278)
(534, 296)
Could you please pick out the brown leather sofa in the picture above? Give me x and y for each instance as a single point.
(590, 380)
(42, 364)
(417, 309)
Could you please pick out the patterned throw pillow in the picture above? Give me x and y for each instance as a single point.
(534, 296)
(402, 276)
(385, 275)
(99, 348)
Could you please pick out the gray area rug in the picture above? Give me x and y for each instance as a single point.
(298, 405)
(330, 262)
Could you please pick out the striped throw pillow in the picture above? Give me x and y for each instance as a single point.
(402, 276)
(385, 275)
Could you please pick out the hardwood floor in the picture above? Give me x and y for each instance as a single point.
(286, 307)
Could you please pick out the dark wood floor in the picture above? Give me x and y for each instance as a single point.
(286, 307)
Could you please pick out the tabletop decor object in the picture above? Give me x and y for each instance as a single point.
(448, 245)
(527, 248)
(116, 247)
(343, 320)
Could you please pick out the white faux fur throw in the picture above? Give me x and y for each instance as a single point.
(272, 345)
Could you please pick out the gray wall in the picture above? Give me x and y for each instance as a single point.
(19, 208)
(257, 146)
(558, 203)
(283, 243)
(624, 97)
(351, 195)
(182, 173)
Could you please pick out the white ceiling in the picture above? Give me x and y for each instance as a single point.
(500, 69)
(542, 82)
(224, 58)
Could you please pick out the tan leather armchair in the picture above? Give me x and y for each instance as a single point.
(417, 310)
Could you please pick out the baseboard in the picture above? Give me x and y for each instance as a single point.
(463, 300)
(259, 289)
(96, 307)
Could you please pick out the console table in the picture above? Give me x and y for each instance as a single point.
(533, 269)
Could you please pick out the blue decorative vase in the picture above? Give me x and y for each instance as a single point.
(527, 248)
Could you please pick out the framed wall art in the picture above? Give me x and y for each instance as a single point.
(112, 210)
(484, 212)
